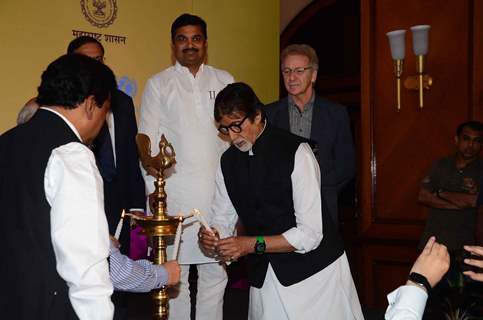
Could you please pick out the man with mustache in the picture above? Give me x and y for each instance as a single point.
(178, 102)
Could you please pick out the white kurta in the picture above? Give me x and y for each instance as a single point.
(79, 231)
(328, 294)
(406, 303)
(180, 106)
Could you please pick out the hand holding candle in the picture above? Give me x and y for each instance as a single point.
(199, 216)
(117, 234)
(207, 244)
(177, 239)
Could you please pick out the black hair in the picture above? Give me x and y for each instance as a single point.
(473, 125)
(237, 97)
(187, 19)
(80, 41)
(70, 79)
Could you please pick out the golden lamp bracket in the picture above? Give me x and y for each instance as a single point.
(420, 81)
(160, 225)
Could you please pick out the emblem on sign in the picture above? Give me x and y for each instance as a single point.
(99, 13)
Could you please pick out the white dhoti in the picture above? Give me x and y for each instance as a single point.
(328, 294)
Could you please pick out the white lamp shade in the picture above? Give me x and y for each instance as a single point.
(397, 43)
(420, 39)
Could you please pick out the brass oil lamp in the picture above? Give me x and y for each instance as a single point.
(159, 225)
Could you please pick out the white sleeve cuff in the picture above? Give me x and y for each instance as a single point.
(406, 302)
(293, 237)
(302, 241)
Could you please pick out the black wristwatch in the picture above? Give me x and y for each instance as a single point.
(260, 245)
(420, 280)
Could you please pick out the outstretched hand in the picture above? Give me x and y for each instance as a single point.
(433, 262)
(476, 251)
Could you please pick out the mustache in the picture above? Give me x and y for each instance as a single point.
(190, 50)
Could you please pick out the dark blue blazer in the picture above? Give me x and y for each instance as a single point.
(331, 131)
(126, 190)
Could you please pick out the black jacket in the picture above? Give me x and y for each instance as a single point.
(260, 188)
(33, 288)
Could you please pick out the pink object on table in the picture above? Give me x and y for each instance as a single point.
(139, 244)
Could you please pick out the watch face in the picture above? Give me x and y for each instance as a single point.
(260, 247)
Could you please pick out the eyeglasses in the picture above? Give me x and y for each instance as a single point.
(234, 127)
(298, 71)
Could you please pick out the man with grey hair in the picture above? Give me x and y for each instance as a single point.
(308, 115)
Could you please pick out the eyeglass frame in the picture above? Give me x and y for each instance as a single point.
(234, 127)
(298, 71)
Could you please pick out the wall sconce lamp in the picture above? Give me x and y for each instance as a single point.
(420, 48)
(397, 43)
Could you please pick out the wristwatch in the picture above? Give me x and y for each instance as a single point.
(420, 280)
(260, 245)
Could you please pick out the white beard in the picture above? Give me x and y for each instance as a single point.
(242, 144)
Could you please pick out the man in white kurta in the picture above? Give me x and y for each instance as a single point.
(178, 102)
(326, 294)
(78, 213)
(329, 294)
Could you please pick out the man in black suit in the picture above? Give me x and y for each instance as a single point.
(306, 114)
(54, 237)
(117, 162)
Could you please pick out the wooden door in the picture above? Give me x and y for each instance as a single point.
(397, 148)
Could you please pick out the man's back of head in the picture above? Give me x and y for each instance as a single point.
(79, 88)
(70, 79)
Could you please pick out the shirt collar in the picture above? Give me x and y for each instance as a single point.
(71, 126)
(469, 165)
(257, 142)
(178, 67)
(307, 106)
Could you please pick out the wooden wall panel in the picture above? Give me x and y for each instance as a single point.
(383, 269)
(477, 61)
(407, 142)
(397, 148)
